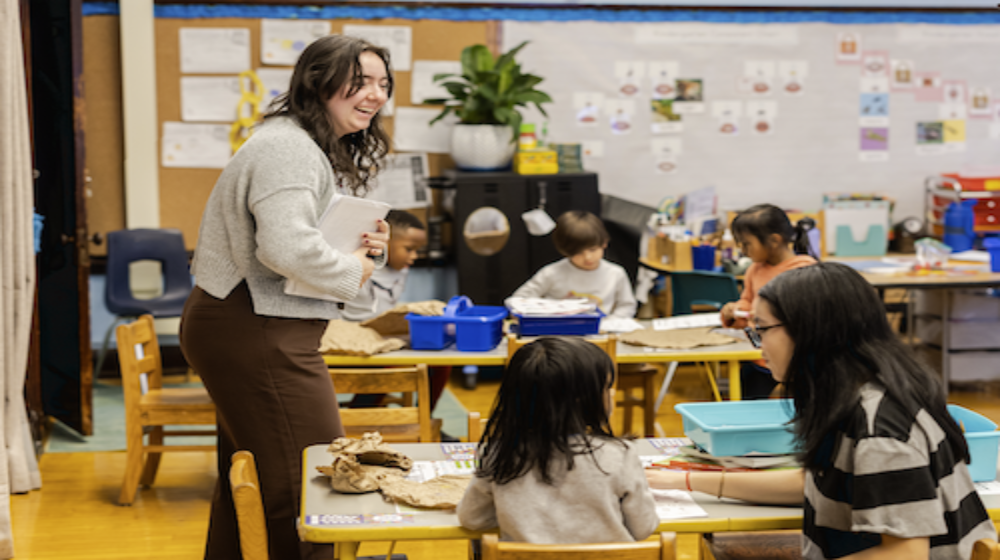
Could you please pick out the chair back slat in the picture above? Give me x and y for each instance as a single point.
(387, 380)
(249, 506)
(663, 548)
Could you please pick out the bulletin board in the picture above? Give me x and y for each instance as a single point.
(185, 191)
(824, 136)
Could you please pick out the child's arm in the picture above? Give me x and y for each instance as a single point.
(638, 507)
(625, 304)
(729, 316)
(477, 511)
(537, 286)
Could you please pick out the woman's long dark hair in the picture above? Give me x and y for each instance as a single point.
(842, 341)
(322, 70)
(553, 390)
(764, 220)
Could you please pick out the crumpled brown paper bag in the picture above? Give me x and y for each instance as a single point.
(368, 464)
(393, 321)
(351, 339)
(443, 492)
(681, 339)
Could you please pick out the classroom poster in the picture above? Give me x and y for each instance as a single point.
(283, 40)
(874, 144)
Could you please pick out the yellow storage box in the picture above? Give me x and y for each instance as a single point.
(536, 162)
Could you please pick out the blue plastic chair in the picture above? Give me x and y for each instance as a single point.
(131, 245)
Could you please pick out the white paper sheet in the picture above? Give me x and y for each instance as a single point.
(342, 225)
(397, 38)
(413, 134)
(209, 99)
(209, 50)
(195, 145)
(401, 183)
(620, 325)
(275, 82)
(422, 84)
(422, 471)
(676, 504)
(687, 322)
(283, 40)
(986, 488)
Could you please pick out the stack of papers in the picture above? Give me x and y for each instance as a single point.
(619, 325)
(693, 458)
(544, 307)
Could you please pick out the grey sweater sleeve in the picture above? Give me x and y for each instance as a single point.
(537, 286)
(289, 244)
(638, 506)
(477, 511)
(625, 304)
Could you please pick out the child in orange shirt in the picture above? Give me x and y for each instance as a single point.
(766, 236)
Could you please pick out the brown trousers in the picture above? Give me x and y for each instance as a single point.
(274, 397)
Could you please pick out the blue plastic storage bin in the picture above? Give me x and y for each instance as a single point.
(983, 440)
(473, 328)
(559, 325)
(734, 428)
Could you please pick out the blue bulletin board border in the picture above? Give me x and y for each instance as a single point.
(369, 11)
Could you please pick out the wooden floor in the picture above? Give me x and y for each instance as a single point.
(74, 515)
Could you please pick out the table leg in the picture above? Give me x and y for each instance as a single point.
(648, 406)
(735, 389)
(689, 546)
(347, 550)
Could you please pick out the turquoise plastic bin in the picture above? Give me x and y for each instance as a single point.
(983, 440)
(735, 428)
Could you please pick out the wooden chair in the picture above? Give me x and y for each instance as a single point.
(986, 549)
(477, 426)
(149, 407)
(662, 549)
(249, 506)
(408, 423)
(630, 378)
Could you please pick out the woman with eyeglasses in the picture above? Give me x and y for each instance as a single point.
(883, 463)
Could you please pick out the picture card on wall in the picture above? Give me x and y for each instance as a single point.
(928, 87)
(663, 78)
(792, 74)
(587, 107)
(980, 102)
(848, 47)
(901, 76)
(620, 113)
(629, 75)
(275, 82)
(209, 98)
(954, 91)
(874, 109)
(283, 40)
(874, 64)
(209, 50)
(204, 146)
(762, 73)
(664, 119)
(874, 85)
(414, 133)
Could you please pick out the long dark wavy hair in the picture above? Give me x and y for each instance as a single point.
(763, 220)
(322, 70)
(553, 389)
(842, 341)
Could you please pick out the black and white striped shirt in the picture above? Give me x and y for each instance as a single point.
(891, 471)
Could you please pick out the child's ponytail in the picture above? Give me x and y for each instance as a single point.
(801, 244)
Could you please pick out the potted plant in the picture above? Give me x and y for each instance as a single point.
(485, 98)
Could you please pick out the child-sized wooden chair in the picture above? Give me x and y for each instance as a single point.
(986, 549)
(408, 423)
(664, 548)
(630, 379)
(149, 407)
(249, 506)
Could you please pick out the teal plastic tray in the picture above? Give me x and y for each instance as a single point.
(983, 440)
(735, 428)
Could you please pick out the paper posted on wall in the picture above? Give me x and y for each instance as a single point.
(342, 225)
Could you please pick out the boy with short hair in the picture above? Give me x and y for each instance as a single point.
(382, 291)
(581, 238)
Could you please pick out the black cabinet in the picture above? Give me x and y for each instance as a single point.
(490, 278)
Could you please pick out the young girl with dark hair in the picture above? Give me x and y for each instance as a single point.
(255, 347)
(550, 468)
(884, 465)
(766, 236)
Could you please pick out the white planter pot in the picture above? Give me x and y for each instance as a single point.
(482, 147)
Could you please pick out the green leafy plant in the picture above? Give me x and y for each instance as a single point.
(489, 90)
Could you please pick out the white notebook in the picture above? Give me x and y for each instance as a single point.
(342, 224)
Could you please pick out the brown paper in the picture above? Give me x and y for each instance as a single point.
(393, 321)
(443, 492)
(680, 339)
(351, 339)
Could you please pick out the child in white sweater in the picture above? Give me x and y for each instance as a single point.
(580, 237)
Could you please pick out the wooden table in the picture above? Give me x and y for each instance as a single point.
(350, 519)
(730, 354)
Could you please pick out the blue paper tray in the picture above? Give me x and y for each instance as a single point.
(734, 428)
(983, 440)
(559, 325)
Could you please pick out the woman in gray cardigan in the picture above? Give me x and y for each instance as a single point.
(255, 347)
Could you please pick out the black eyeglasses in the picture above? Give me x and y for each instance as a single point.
(755, 333)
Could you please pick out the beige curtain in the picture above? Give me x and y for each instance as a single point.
(18, 467)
